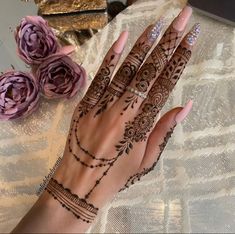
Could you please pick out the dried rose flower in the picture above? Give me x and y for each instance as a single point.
(35, 40)
(59, 76)
(19, 95)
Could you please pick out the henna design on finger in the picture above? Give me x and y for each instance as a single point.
(144, 77)
(80, 208)
(95, 90)
(136, 177)
(98, 86)
(154, 65)
(170, 41)
(124, 75)
(138, 129)
(130, 66)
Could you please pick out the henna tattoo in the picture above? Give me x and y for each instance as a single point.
(137, 130)
(159, 59)
(103, 161)
(98, 86)
(43, 185)
(170, 41)
(95, 91)
(136, 177)
(91, 155)
(166, 139)
(173, 71)
(124, 75)
(154, 65)
(80, 208)
(143, 78)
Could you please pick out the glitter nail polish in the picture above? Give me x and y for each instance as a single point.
(193, 34)
(156, 30)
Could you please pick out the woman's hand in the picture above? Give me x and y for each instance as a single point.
(115, 138)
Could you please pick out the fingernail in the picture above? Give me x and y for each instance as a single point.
(67, 49)
(193, 34)
(184, 112)
(120, 42)
(156, 30)
(181, 20)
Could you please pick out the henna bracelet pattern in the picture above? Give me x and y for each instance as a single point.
(79, 207)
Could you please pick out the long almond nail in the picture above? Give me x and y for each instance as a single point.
(182, 19)
(192, 36)
(184, 112)
(120, 43)
(156, 30)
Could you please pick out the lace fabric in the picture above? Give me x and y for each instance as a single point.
(192, 187)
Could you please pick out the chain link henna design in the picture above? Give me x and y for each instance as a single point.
(65, 196)
(80, 208)
(136, 177)
(136, 130)
(104, 162)
(73, 131)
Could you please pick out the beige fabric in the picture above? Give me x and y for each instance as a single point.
(192, 188)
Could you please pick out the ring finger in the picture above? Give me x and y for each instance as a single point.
(130, 66)
(154, 64)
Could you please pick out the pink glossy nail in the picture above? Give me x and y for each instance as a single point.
(67, 49)
(120, 43)
(184, 112)
(182, 19)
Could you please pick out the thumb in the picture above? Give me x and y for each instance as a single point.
(161, 134)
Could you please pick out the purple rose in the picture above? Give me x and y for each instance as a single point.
(59, 76)
(35, 40)
(19, 95)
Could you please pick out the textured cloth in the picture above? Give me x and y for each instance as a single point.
(192, 188)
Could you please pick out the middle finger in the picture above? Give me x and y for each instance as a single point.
(154, 64)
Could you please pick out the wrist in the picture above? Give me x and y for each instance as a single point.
(80, 181)
(56, 218)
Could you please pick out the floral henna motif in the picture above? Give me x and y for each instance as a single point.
(142, 124)
(143, 78)
(154, 65)
(124, 75)
(136, 177)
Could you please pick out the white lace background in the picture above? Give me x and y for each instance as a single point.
(192, 188)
